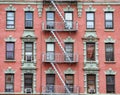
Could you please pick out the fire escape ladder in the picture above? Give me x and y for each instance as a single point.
(60, 77)
(60, 44)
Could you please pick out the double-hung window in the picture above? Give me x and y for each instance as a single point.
(9, 83)
(90, 20)
(90, 52)
(10, 19)
(69, 51)
(109, 51)
(28, 56)
(69, 20)
(50, 52)
(110, 83)
(50, 19)
(108, 20)
(10, 47)
(28, 20)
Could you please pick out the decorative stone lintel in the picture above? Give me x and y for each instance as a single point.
(110, 72)
(109, 40)
(50, 39)
(69, 71)
(50, 8)
(79, 7)
(69, 39)
(10, 8)
(50, 71)
(29, 8)
(90, 9)
(10, 39)
(9, 71)
(109, 9)
(68, 8)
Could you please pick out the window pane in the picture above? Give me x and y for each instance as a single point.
(29, 16)
(68, 16)
(50, 47)
(108, 16)
(90, 16)
(90, 24)
(50, 16)
(109, 24)
(10, 46)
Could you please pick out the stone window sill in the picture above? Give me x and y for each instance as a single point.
(110, 62)
(109, 30)
(11, 61)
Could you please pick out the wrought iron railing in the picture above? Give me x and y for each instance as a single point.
(59, 58)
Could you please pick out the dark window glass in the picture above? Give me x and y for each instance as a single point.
(69, 51)
(50, 19)
(69, 20)
(90, 20)
(10, 20)
(69, 80)
(28, 20)
(28, 83)
(9, 83)
(90, 51)
(10, 51)
(50, 82)
(108, 20)
(50, 52)
(91, 84)
(28, 51)
(110, 83)
(109, 51)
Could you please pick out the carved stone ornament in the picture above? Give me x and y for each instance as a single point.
(50, 39)
(109, 40)
(69, 71)
(69, 39)
(40, 9)
(109, 9)
(29, 8)
(68, 8)
(10, 39)
(10, 8)
(9, 71)
(110, 72)
(90, 9)
(50, 8)
(50, 71)
(80, 8)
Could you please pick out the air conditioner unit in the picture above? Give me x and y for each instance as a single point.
(28, 90)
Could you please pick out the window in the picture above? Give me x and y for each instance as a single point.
(50, 19)
(10, 50)
(108, 20)
(10, 17)
(110, 83)
(28, 20)
(90, 51)
(69, 51)
(50, 82)
(69, 20)
(28, 51)
(91, 83)
(9, 83)
(50, 52)
(109, 51)
(90, 20)
(69, 80)
(28, 83)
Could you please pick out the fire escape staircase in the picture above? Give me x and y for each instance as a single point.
(59, 43)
